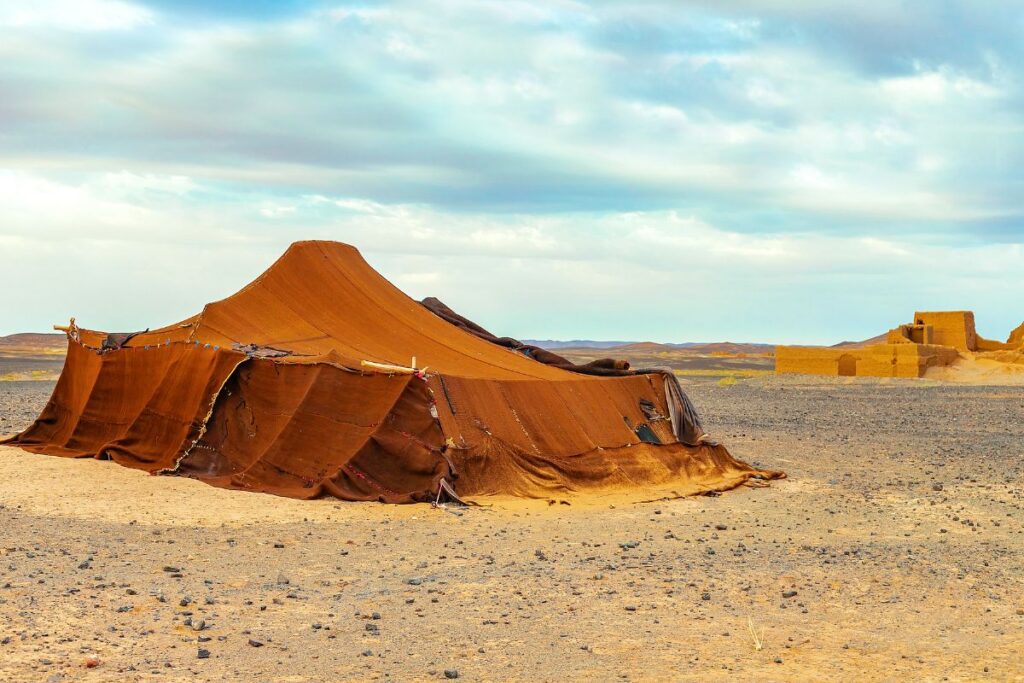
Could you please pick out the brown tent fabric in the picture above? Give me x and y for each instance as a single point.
(270, 390)
(686, 425)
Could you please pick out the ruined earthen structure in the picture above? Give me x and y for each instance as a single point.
(933, 339)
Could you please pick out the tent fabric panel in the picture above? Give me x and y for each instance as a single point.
(308, 430)
(177, 411)
(248, 418)
(258, 316)
(404, 459)
(137, 406)
(123, 387)
(322, 296)
(497, 468)
(558, 418)
(177, 332)
(55, 425)
(351, 330)
(536, 439)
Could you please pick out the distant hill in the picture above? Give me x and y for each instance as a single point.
(34, 340)
(643, 347)
(553, 344)
(690, 359)
(880, 339)
(733, 348)
(688, 347)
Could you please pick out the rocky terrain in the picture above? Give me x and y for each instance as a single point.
(893, 551)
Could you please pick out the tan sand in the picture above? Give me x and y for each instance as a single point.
(1005, 369)
(901, 531)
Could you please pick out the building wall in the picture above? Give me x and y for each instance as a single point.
(934, 338)
(883, 360)
(950, 328)
(1016, 338)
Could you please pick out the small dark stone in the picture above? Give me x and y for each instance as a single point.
(937, 486)
(788, 594)
(172, 570)
(451, 673)
(203, 654)
(721, 527)
(255, 643)
(414, 581)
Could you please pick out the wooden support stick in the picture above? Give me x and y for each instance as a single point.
(388, 367)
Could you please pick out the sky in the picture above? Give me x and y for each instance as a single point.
(776, 171)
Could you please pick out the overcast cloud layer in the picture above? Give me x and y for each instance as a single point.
(762, 171)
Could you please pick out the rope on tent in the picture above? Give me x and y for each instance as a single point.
(446, 488)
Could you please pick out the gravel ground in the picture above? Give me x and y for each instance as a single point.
(892, 551)
(21, 403)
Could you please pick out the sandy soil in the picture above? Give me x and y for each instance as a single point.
(894, 551)
(997, 368)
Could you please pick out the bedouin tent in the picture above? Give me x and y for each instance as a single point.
(304, 384)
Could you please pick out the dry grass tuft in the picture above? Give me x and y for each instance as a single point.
(756, 635)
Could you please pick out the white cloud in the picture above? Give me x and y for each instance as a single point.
(606, 148)
(74, 15)
(521, 274)
(930, 87)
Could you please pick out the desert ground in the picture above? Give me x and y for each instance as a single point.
(893, 551)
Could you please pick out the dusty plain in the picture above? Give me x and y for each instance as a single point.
(893, 551)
